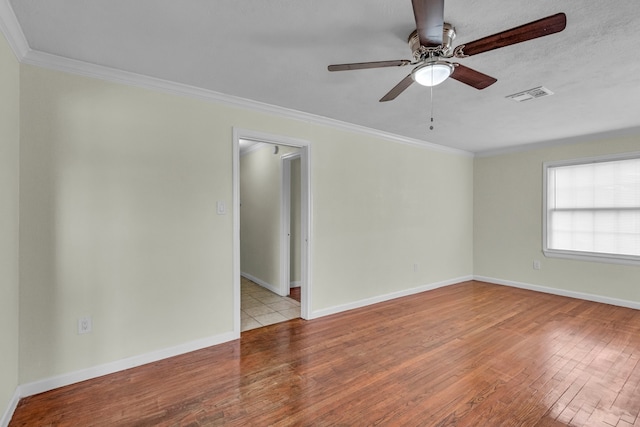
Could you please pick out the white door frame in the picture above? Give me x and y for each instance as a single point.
(305, 217)
(285, 222)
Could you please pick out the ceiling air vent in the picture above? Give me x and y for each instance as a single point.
(536, 92)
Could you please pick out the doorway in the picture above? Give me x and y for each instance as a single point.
(277, 269)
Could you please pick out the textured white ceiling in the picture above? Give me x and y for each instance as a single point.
(277, 52)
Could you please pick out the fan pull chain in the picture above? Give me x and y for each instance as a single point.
(431, 91)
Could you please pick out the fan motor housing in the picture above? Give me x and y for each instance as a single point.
(448, 35)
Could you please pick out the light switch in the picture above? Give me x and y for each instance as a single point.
(221, 208)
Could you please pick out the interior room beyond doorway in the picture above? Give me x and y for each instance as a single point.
(270, 233)
(261, 307)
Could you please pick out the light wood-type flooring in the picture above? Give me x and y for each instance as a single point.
(471, 354)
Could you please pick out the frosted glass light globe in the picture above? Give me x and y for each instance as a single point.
(432, 73)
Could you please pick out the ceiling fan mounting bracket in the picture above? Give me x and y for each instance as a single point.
(422, 53)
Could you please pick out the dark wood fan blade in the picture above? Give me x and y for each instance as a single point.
(472, 77)
(429, 15)
(540, 28)
(364, 65)
(397, 89)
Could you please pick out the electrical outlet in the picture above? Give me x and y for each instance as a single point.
(415, 268)
(536, 265)
(84, 325)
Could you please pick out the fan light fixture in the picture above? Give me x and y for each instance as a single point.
(432, 73)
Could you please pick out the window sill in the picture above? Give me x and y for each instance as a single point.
(592, 257)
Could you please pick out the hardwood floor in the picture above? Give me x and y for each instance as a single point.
(472, 354)
(294, 294)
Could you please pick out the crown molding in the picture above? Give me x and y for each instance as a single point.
(10, 26)
(12, 31)
(59, 63)
(578, 139)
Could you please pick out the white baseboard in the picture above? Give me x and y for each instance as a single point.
(51, 383)
(562, 292)
(295, 284)
(262, 283)
(381, 298)
(538, 288)
(11, 408)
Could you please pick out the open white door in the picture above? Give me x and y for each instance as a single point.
(287, 245)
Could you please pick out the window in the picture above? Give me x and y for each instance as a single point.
(592, 209)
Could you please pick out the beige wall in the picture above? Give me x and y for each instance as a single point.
(381, 207)
(508, 224)
(9, 221)
(118, 216)
(118, 193)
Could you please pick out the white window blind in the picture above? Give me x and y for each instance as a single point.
(593, 208)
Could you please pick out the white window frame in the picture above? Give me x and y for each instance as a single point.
(581, 255)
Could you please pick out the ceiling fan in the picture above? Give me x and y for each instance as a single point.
(432, 50)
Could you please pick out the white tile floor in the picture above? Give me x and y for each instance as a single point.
(261, 307)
